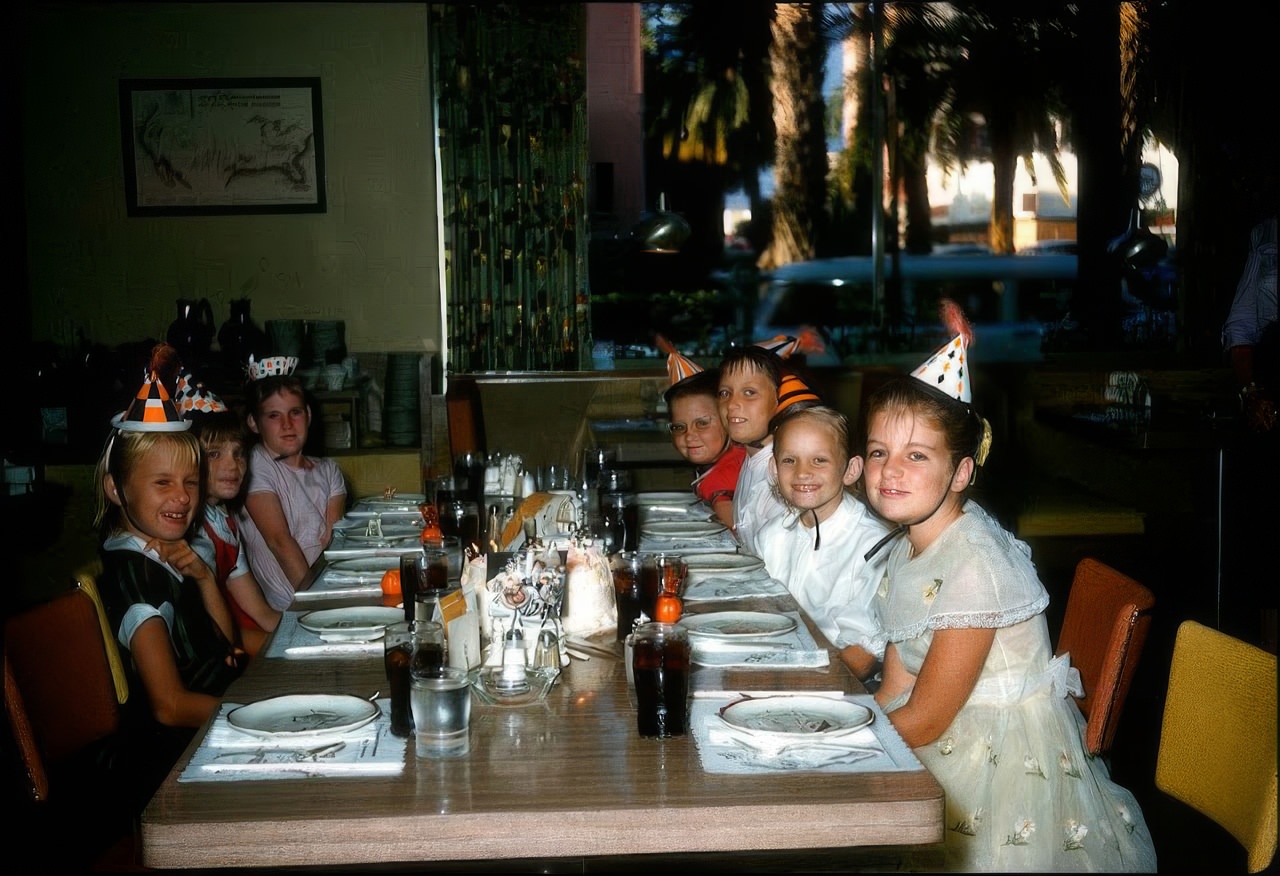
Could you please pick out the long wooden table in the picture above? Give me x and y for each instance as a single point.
(566, 779)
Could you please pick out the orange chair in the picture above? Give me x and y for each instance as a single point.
(61, 701)
(59, 692)
(1105, 626)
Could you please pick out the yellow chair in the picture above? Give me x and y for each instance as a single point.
(1104, 629)
(87, 580)
(1217, 748)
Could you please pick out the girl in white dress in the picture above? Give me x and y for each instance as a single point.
(970, 681)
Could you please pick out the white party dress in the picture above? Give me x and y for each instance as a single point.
(1022, 794)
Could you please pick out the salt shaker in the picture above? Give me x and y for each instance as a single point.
(514, 661)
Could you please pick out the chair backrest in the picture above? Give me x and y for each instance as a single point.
(1218, 737)
(59, 693)
(87, 580)
(1104, 629)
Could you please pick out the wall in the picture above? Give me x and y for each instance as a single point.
(371, 260)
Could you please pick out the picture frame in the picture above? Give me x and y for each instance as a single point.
(207, 147)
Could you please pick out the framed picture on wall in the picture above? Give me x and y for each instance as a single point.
(200, 147)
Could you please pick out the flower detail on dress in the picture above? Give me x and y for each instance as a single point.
(1022, 830)
(1031, 764)
(931, 589)
(1076, 832)
(883, 590)
(1068, 765)
(1123, 811)
(969, 826)
(993, 756)
(946, 746)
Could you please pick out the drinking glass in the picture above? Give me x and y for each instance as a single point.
(660, 661)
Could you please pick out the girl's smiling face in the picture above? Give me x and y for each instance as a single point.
(909, 474)
(226, 470)
(159, 497)
(812, 467)
(696, 429)
(283, 424)
(747, 400)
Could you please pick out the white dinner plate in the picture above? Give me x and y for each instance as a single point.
(367, 565)
(738, 624)
(407, 499)
(682, 528)
(708, 563)
(357, 623)
(797, 715)
(303, 715)
(358, 535)
(651, 498)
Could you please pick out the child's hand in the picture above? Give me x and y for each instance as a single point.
(180, 555)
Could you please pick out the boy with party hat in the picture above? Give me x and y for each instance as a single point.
(755, 393)
(698, 434)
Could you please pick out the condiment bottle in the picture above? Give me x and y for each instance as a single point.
(514, 660)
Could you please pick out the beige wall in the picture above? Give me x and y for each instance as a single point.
(372, 259)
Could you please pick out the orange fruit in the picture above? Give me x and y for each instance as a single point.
(668, 609)
(391, 583)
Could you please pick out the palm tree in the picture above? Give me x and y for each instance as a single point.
(1007, 97)
(796, 59)
(709, 125)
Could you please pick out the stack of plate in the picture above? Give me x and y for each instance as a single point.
(401, 415)
(326, 342)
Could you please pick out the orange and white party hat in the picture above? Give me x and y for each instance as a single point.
(678, 367)
(192, 398)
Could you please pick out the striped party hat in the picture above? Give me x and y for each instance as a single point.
(192, 398)
(151, 410)
(678, 367)
(785, 346)
(791, 392)
(947, 370)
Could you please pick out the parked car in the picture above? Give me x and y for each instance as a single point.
(1010, 300)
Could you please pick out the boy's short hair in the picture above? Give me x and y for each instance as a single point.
(705, 383)
(753, 358)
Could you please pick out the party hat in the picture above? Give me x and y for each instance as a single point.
(193, 398)
(785, 346)
(678, 367)
(947, 370)
(272, 366)
(794, 391)
(151, 410)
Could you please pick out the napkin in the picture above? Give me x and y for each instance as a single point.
(729, 586)
(796, 649)
(291, 640)
(724, 748)
(226, 753)
(719, 543)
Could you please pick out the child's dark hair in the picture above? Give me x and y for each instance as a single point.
(222, 427)
(966, 433)
(703, 383)
(258, 391)
(753, 358)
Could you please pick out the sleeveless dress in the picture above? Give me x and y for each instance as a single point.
(1022, 794)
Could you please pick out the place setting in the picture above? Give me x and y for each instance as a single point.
(753, 639)
(783, 731)
(691, 535)
(717, 577)
(298, 736)
(355, 631)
